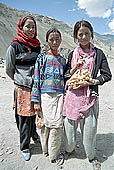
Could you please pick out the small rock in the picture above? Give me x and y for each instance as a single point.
(111, 108)
(1, 154)
(3, 77)
(7, 149)
(60, 167)
(1, 160)
(35, 168)
(77, 146)
(104, 156)
(9, 152)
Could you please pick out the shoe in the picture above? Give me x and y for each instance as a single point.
(46, 154)
(96, 164)
(26, 154)
(60, 159)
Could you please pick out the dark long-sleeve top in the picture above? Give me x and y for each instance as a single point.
(20, 63)
(101, 66)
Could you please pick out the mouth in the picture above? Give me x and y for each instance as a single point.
(85, 41)
(31, 34)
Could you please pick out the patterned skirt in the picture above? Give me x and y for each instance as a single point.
(22, 100)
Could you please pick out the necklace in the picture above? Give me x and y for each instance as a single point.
(87, 50)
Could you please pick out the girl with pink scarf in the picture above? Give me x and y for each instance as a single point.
(81, 105)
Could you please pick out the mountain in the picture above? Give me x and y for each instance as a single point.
(8, 28)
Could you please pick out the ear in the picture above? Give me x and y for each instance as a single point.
(21, 27)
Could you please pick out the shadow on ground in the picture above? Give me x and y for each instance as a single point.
(104, 147)
(36, 149)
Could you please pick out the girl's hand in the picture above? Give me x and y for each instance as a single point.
(37, 108)
(39, 122)
(82, 84)
(80, 63)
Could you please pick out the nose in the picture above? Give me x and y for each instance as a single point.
(84, 36)
(54, 42)
(31, 29)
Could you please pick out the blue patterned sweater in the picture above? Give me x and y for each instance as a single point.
(48, 75)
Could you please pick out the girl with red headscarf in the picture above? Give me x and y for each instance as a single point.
(20, 59)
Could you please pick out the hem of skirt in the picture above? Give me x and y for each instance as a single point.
(26, 115)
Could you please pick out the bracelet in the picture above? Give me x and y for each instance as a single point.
(94, 83)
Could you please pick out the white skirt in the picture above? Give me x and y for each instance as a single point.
(52, 105)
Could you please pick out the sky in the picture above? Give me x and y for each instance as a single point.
(100, 13)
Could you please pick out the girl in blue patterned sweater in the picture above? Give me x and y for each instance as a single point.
(47, 93)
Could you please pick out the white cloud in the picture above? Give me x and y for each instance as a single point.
(107, 13)
(111, 25)
(96, 8)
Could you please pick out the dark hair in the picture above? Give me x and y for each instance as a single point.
(79, 24)
(52, 30)
(24, 20)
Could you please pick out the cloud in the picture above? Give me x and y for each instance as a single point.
(111, 25)
(96, 8)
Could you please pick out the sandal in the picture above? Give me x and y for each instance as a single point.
(45, 154)
(96, 164)
(60, 159)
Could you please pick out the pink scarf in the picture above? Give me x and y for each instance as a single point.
(80, 54)
(88, 101)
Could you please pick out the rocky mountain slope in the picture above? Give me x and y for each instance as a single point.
(8, 25)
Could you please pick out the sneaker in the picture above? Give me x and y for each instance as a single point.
(26, 154)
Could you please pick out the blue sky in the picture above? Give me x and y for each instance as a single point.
(99, 12)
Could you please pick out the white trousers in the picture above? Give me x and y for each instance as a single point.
(88, 128)
(51, 141)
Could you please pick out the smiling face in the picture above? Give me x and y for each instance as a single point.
(29, 28)
(54, 41)
(84, 36)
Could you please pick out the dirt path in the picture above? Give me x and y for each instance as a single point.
(10, 156)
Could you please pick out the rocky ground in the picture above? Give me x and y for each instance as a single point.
(10, 155)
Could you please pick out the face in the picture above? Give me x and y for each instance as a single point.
(84, 36)
(54, 41)
(29, 28)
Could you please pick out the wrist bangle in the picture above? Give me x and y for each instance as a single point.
(94, 83)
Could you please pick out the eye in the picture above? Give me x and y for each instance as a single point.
(33, 27)
(57, 39)
(86, 33)
(30, 27)
(51, 40)
(27, 26)
(80, 35)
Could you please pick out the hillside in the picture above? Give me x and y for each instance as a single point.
(8, 25)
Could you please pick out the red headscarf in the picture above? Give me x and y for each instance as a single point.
(21, 37)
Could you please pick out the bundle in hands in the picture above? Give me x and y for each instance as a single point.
(79, 77)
